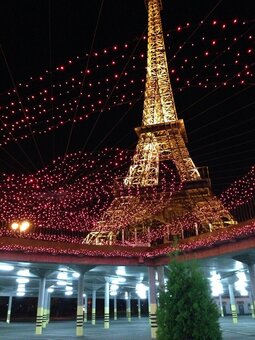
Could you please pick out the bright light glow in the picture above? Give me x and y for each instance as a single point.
(238, 265)
(76, 275)
(22, 280)
(14, 226)
(61, 283)
(20, 293)
(241, 284)
(21, 285)
(69, 292)
(84, 295)
(126, 295)
(62, 276)
(21, 289)
(141, 290)
(113, 293)
(216, 285)
(50, 290)
(113, 289)
(121, 270)
(23, 272)
(69, 288)
(24, 226)
(5, 266)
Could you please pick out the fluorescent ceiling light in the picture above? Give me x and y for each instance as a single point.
(23, 272)
(69, 292)
(21, 289)
(20, 293)
(121, 270)
(50, 290)
(113, 293)
(5, 266)
(69, 288)
(76, 275)
(62, 276)
(22, 280)
(61, 283)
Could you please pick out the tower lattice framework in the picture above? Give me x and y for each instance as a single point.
(162, 137)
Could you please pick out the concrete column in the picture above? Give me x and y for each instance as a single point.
(161, 278)
(115, 311)
(8, 319)
(93, 317)
(153, 302)
(128, 305)
(106, 305)
(48, 307)
(251, 269)
(252, 305)
(232, 302)
(85, 308)
(221, 306)
(79, 315)
(139, 307)
(39, 315)
(45, 308)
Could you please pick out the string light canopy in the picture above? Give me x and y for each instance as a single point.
(221, 54)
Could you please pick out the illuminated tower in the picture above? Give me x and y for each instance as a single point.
(162, 138)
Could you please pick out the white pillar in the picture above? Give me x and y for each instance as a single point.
(106, 305)
(45, 308)
(85, 308)
(115, 311)
(48, 307)
(139, 307)
(251, 304)
(8, 319)
(128, 305)
(93, 317)
(221, 306)
(153, 302)
(79, 315)
(39, 316)
(232, 302)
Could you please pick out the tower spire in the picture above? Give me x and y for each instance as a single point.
(159, 107)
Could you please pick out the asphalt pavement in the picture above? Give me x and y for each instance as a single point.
(119, 330)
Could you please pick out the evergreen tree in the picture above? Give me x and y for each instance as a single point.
(186, 310)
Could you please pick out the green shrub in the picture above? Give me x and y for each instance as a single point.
(186, 310)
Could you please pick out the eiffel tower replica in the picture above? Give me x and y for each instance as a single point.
(141, 204)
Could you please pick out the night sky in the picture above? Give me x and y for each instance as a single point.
(212, 76)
